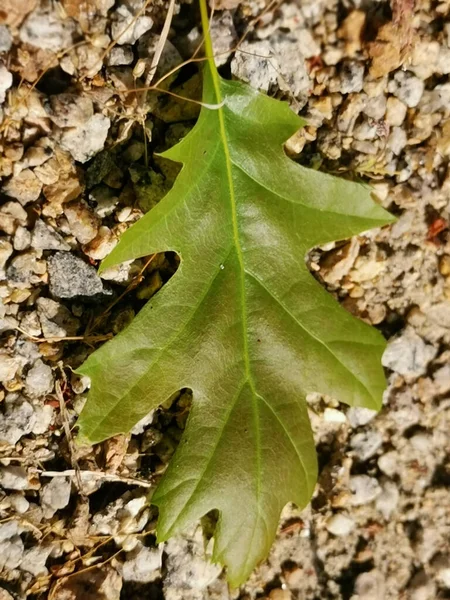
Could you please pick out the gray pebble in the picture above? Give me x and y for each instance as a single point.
(366, 444)
(407, 87)
(17, 420)
(5, 39)
(358, 416)
(120, 55)
(364, 490)
(71, 277)
(408, 354)
(39, 380)
(55, 495)
(387, 501)
(56, 319)
(13, 478)
(352, 77)
(44, 237)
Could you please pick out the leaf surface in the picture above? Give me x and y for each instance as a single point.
(242, 323)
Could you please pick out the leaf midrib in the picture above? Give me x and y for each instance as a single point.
(239, 254)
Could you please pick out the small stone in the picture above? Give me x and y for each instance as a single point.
(22, 239)
(39, 380)
(366, 444)
(340, 525)
(70, 110)
(83, 222)
(352, 77)
(223, 34)
(20, 504)
(422, 587)
(294, 577)
(397, 140)
(11, 546)
(24, 187)
(9, 365)
(127, 27)
(395, 111)
(26, 269)
(44, 237)
(101, 245)
(6, 249)
(286, 68)
(37, 155)
(13, 478)
(332, 415)
(408, 354)
(349, 112)
(407, 87)
(34, 560)
(441, 379)
(55, 495)
(30, 323)
(12, 214)
(71, 277)
(104, 200)
(389, 463)
(364, 490)
(16, 420)
(143, 565)
(439, 314)
(45, 30)
(441, 565)
(120, 55)
(44, 417)
(5, 39)
(279, 594)
(375, 107)
(251, 68)
(187, 567)
(387, 501)
(358, 416)
(370, 586)
(6, 80)
(444, 265)
(86, 141)
(56, 319)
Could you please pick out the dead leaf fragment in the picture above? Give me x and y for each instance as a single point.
(351, 31)
(394, 39)
(30, 62)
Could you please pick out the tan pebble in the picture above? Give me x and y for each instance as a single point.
(279, 594)
(19, 296)
(51, 351)
(356, 292)
(14, 152)
(395, 112)
(444, 265)
(294, 578)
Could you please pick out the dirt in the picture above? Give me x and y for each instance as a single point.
(78, 166)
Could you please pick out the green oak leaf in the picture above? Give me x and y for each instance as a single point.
(242, 323)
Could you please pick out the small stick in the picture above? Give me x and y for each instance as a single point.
(97, 475)
(67, 431)
(161, 43)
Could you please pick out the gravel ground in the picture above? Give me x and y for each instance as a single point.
(77, 168)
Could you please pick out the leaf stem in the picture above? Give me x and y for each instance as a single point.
(206, 26)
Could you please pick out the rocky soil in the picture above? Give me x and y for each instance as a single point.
(78, 167)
